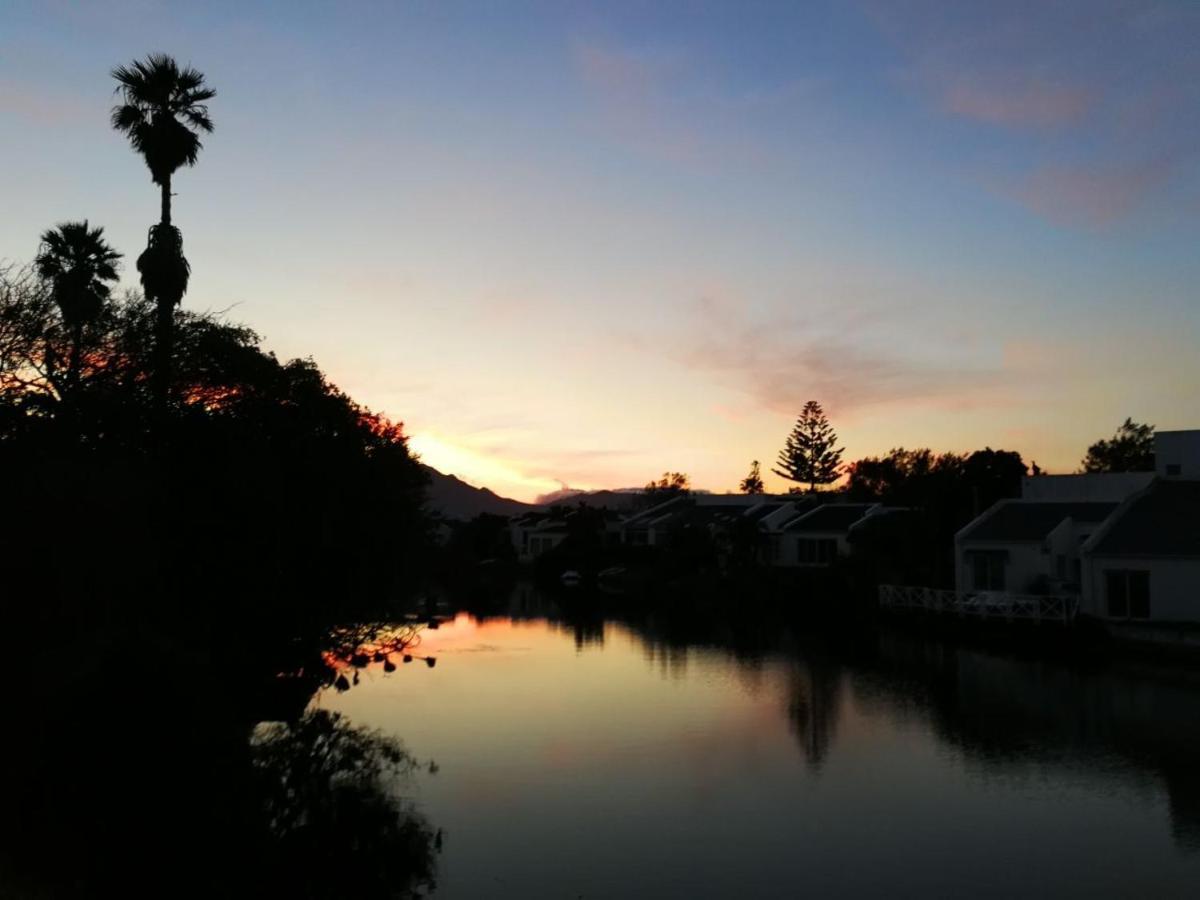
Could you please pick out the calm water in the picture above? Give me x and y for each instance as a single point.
(600, 762)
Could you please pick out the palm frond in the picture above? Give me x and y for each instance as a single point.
(163, 111)
(77, 263)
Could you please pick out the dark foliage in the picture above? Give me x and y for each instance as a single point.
(671, 484)
(752, 483)
(1130, 449)
(266, 481)
(185, 564)
(947, 489)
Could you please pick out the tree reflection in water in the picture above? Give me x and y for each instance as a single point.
(338, 828)
(135, 769)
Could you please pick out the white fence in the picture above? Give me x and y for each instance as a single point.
(981, 604)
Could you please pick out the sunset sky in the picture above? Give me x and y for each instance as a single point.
(578, 244)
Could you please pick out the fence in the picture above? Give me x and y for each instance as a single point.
(981, 604)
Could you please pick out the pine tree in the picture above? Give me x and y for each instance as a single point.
(811, 455)
(753, 483)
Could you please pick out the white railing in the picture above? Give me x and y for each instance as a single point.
(981, 604)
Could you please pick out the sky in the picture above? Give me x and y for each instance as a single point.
(576, 245)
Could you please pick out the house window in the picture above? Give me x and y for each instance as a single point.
(816, 552)
(987, 569)
(1128, 594)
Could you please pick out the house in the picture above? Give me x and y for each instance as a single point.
(1143, 565)
(1084, 535)
(713, 512)
(1024, 546)
(1177, 454)
(819, 534)
(649, 527)
(535, 533)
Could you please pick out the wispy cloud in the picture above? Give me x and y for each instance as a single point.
(1100, 94)
(41, 105)
(846, 363)
(1015, 100)
(1092, 197)
(660, 103)
(632, 100)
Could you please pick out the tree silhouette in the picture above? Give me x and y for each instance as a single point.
(752, 483)
(811, 455)
(77, 265)
(671, 484)
(1131, 449)
(163, 111)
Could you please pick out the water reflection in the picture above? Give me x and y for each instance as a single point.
(648, 756)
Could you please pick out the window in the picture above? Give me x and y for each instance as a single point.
(987, 569)
(1128, 594)
(816, 551)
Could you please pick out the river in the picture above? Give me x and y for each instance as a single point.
(604, 759)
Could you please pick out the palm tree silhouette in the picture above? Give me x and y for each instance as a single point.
(163, 112)
(77, 263)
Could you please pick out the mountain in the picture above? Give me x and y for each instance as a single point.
(621, 499)
(453, 498)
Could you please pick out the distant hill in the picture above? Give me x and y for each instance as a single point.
(622, 499)
(453, 498)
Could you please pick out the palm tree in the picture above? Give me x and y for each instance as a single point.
(163, 111)
(78, 264)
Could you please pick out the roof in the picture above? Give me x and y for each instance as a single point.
(1164, 520)
(1021, 520)
(762, 511)
(830, 517)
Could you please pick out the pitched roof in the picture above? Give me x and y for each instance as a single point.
(1024, 521)
(762, 511)
(1162, 521)
(830, 517)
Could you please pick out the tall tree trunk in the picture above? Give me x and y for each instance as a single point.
(163, 325)
(166, 200)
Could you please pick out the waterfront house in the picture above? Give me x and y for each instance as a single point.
(1142, 567)
(818, 535)
(1026, 546)
(1126, 546)
(535, 533)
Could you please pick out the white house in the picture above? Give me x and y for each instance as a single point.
(535, 533)
(1143, 565)
(1026, 546)
(817, 537)
(1127, 544)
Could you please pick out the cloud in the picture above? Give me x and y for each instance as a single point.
(631, 98)
(42, 106)
(847, 363)
(1021, 101)
(666, 104)
(1091, 197)
(1097, 96)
